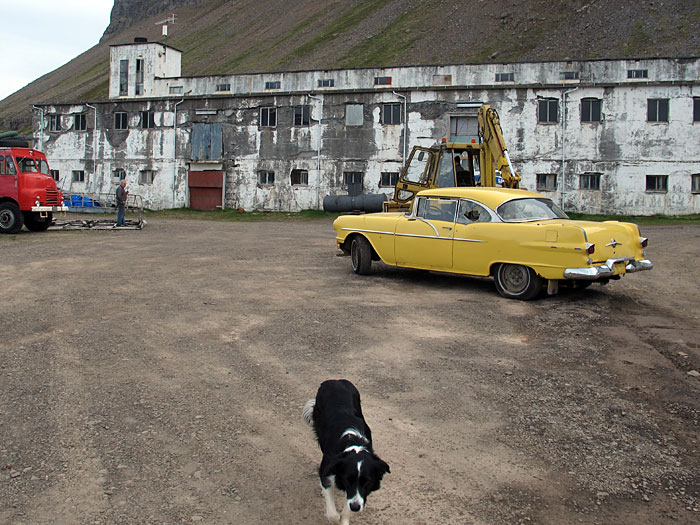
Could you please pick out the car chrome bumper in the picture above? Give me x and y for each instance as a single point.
(50, 208)
(592, 273)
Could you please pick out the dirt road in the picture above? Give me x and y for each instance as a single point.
(158, 377)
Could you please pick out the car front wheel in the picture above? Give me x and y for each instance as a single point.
(361, 255)
(515, 281)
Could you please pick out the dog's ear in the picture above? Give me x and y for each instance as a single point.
(382, 467)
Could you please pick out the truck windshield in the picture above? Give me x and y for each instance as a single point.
(531, 209)
(32, 165)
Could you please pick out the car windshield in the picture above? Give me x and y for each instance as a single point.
(530, 209)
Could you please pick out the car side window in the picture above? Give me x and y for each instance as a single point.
(437, 209)
(470, 211)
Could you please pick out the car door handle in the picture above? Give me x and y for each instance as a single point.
(447, 227)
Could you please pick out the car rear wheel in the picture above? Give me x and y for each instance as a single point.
(11, 219)
(515, 281)
(361, 255)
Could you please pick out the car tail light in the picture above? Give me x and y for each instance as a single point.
(645, 241)
(590, 248)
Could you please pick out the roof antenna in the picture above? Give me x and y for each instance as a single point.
(164, 23)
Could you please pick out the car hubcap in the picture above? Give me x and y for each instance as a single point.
(515, 278)
(6, 219)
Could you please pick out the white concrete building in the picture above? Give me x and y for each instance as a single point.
(608, 136)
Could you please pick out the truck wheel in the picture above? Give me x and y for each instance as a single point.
(10, 218)
(35, 223)
(515, 281)
(361, 255)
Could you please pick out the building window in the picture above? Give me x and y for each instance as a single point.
(148, 120)
(382, 81)
(300, 177)
(569, 75)
(505, 77)
(589, 181)
(696, 110)
(120, 120)
(54, 122)
(354, 115)
(657, 110)
(590, 110)
(302, 115)
(266, 178)
(78, 176)
(637, 73)
(546, 182)
(146, 176)
(268, 117)
(391, 114)
(351, 178)
(657, 183)
(80, 122)
(55, 174)
(695, 183)
(176, 90)
(548, 110)
(389, 179)
(464, 128)
(275, 84)
(326, 82)
(139, 76)
(223, 87)
(119, 175)
(123, 78)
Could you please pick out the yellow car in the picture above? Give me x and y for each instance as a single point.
(522, 239)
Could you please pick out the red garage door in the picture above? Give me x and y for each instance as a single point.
(206, 189)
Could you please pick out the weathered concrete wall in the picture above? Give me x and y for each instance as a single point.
(623, 147)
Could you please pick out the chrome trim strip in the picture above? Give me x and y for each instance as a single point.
(467, 240)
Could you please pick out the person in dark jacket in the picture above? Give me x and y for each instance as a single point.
(464, 177)
(121, 203)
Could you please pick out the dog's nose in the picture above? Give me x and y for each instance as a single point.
(355, 506)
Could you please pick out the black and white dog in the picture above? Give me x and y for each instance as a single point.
(346, 442)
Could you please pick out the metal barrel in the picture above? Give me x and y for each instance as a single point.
(368, 203)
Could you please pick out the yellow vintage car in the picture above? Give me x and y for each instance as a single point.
(522, 239)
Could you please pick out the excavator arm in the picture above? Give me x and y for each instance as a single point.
(494, 155)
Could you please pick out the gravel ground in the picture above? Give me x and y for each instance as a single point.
(157, 376)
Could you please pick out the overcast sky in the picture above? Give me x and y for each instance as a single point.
(39, 36)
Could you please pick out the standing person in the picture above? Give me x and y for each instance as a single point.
(121, 203)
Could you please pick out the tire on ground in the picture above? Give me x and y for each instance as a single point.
(515, 281)
(34, 222)
(360, 255)
(11, 218)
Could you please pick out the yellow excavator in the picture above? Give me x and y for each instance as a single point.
(482, 162)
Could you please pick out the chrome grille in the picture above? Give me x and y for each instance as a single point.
(52, 198)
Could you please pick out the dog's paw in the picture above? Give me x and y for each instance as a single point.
(333, 518)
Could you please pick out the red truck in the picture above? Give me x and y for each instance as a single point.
(28, 193)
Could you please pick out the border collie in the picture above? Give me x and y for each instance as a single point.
(346, 442)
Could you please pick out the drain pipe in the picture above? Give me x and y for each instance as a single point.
(94, 147)
(563, 144)
(318, 152)
(175, 149)
(41, 128)
(405, 126)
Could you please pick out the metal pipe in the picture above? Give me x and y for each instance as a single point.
(318, 152)
(563, 144)
(94, 147)
(405, 126)
(175, 148)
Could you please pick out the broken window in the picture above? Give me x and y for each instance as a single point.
(139, 76)
(657, 110)
(464, 128)
(78, 176)
(326, 82)
(119, 175)
(120, 120)
(354, 114)
(657, 183)
(589, 181)
(546, 182)
(275, 84)
(146, 176)
(54, 122)
(176, 90)
(300, 177)
(123, 78)
(391, 114)
(148, 120)
(389, 179)
(569, 75)
(223, 87)
(548, 110)
(696, 110)
(382, 81)
(268, 117)
(55, 175)
(302, 115)
(79, 122)
(590, 110)
(266, 178)
(505, 77)
(637, 73)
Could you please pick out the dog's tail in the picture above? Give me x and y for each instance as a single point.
(308, 412)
